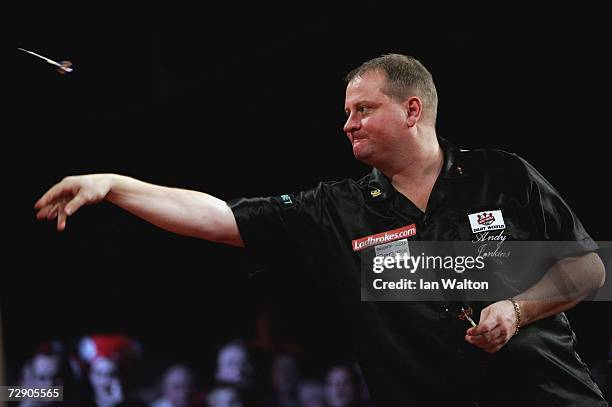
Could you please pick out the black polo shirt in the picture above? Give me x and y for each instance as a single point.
(415, 352)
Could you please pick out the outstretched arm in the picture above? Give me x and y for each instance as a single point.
(180, 211)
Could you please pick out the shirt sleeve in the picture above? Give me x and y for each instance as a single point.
(280, 230)
(554, 219)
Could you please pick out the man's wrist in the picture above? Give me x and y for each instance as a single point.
(517, 314)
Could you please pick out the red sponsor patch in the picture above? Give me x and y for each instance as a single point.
(384, 237)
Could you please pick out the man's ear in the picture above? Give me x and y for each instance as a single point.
(414, 109)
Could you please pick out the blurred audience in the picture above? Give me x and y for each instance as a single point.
(177, 388)
(104, 370)
(47, 367)
(109, 362)
(341, 387)
(224, 396)
(234, 365)
(284, 377)
(311, 394)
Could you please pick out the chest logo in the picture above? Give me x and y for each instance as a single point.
(384, 237)
(486, 220)
(286, 199)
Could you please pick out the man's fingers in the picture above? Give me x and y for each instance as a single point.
(52, 212)
(48, 197)
(66, 209)
(491, 334)
(483, 327)
(61, 201)
(490, 341)
(479, 340)
(76, 202)
(485, 324)
(43, 213)
(55, 192)
(61, 219)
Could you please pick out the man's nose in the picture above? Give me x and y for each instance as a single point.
(352, 124)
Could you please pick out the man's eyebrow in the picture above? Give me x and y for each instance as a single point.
(363, 102)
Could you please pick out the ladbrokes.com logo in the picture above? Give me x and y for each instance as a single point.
(384, 237)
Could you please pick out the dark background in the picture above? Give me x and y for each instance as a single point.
(242, 104)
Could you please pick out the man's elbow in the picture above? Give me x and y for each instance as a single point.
(576, 277)
(595, 270)
(599, 273)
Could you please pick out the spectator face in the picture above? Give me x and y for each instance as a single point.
(224, 397)
(284, 374)
(339, 387)
(45, 371)
(311, 395)
(104, 378)
(233, 365)
(177, 386)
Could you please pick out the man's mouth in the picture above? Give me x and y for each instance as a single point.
(356, 138)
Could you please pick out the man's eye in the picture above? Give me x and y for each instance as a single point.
(363, 109)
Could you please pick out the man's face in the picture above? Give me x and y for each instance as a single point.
(45, 371)
(233, 365)
(339, 388)
(376, 122)
(104, 375)
(284, 374)
(178, 386)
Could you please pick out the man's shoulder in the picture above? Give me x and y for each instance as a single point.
(494, 160)
(491, 157)
(503, 167)
(336, 192)
(345, 186)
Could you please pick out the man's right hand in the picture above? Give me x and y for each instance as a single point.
(181, 211)
(67, 196)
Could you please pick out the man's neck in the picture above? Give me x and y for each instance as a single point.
(419, 169)
(421, 160)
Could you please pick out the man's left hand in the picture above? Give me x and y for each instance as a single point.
(497, 325)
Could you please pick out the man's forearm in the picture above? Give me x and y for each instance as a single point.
(567, 283)
(180, 211)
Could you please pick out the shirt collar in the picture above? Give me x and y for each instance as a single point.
(453, 166)
(379, 187)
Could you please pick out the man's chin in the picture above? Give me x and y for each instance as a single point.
(362, 156)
